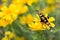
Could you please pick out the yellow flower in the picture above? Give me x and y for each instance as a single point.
(29, 18)
(1, 15)
(52, 24)
(22, 2)
(50, 1)
(9, 34)
(36, 23)
(48, 9)
(36, 26)
(22, 9)
(3, 23)
(4, 38)
(45, 10)
(22, 20)
(26, 19)
(9, 14)
(13, 9)
(20, 38)
(18, 9)
(46, 15)
(51, 19)
(36, 18)
(18, 2)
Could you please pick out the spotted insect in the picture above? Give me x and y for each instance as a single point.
(44, 19)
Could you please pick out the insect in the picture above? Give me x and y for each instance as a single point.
(44, 19)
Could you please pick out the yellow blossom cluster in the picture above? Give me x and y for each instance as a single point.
(35, 23)
(8, 35)
(9, 13)
(38, 25)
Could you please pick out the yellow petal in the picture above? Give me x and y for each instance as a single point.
(11, 36)
(46, 15)
(24, 9)
(22, 20)
(3, 23)
(51, 19)
(36, 26)
(7, 33)
(29, 2)
(13, 8)
(1, 14)
(47, 27)
(52, 24)
(45, 10)
(4, 8)
(29, 18)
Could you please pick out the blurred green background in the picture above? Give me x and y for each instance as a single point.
(22, 30)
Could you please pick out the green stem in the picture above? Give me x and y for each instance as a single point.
(13, 31)
(22, 28)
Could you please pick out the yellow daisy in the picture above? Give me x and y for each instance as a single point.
(36, 24)
(8, 14)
